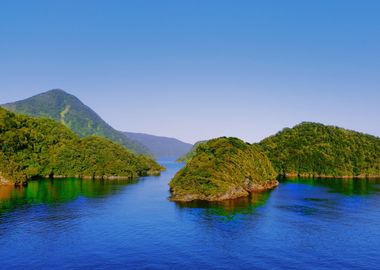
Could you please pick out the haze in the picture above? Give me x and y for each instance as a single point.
(199, 69)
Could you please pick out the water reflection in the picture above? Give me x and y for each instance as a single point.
(343, 186)
(228, 208)
(49, 191)
(304, 203)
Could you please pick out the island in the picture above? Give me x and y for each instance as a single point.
(223, 168)
(40, 147)
(316, 150)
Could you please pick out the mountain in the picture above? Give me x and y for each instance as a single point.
(161, 147)
(313, 149)
(40, 147)
(70, 111)
(191, 153)
(223, 168)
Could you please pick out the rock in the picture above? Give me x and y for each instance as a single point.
(221, 169)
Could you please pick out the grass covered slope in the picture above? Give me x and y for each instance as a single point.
(190, 154)
(70, 111)
(35, 147)
(223, 168)
(312, 149)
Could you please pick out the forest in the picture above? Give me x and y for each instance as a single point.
(38, 147)
(313, 149)
(223, 168)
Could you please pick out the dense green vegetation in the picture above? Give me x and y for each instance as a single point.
(312, 149)
(33, 147)
(190, 154)
(223, 168)
(70, 111)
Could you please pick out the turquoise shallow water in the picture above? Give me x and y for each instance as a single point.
(73, 223)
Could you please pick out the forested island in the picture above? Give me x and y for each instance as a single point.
(76, 142)
(38, 147)
(316, 150)
(223, 168)
(227, 168)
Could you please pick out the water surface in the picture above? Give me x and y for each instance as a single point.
(302, 224)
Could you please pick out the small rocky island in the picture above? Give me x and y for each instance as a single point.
(223, 168)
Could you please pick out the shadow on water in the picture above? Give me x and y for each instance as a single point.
(350, 186)
(306, 202)
(228, 209)
(50, 191)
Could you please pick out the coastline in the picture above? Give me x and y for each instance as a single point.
(235, 193)
(6, 182)
(309, 175)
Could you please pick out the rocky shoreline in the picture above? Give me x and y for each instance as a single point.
(234, 193)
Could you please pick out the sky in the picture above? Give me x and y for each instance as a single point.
(199, 69)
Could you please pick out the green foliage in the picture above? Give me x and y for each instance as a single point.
(34, 147)
(319, 150)
(189, 155)
(70, 111)
(221, 166)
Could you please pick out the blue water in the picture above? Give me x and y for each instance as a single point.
(72, 224)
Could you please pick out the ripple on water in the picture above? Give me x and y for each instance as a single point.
(302, 224)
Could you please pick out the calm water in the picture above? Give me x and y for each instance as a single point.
(68, 224)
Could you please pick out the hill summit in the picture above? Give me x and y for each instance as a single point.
(70, 111)
(313, 149)
(223, 168)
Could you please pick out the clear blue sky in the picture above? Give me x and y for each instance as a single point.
(199, 69)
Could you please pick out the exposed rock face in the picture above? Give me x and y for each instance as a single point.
(254, 187)
(4, 181)
(221, 169)
(233, 193)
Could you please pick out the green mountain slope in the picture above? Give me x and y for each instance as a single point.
(223, 168)
(35, 147)
(312, 149)
(161, 147)
(190, 154)
(70, 111)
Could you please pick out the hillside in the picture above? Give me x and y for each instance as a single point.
(40, 147)
(70, 111)
(191, 153)
(223, 168)
(161, 147)
(313, 149)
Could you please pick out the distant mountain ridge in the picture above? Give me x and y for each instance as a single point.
(73, 113)
(161, 147)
